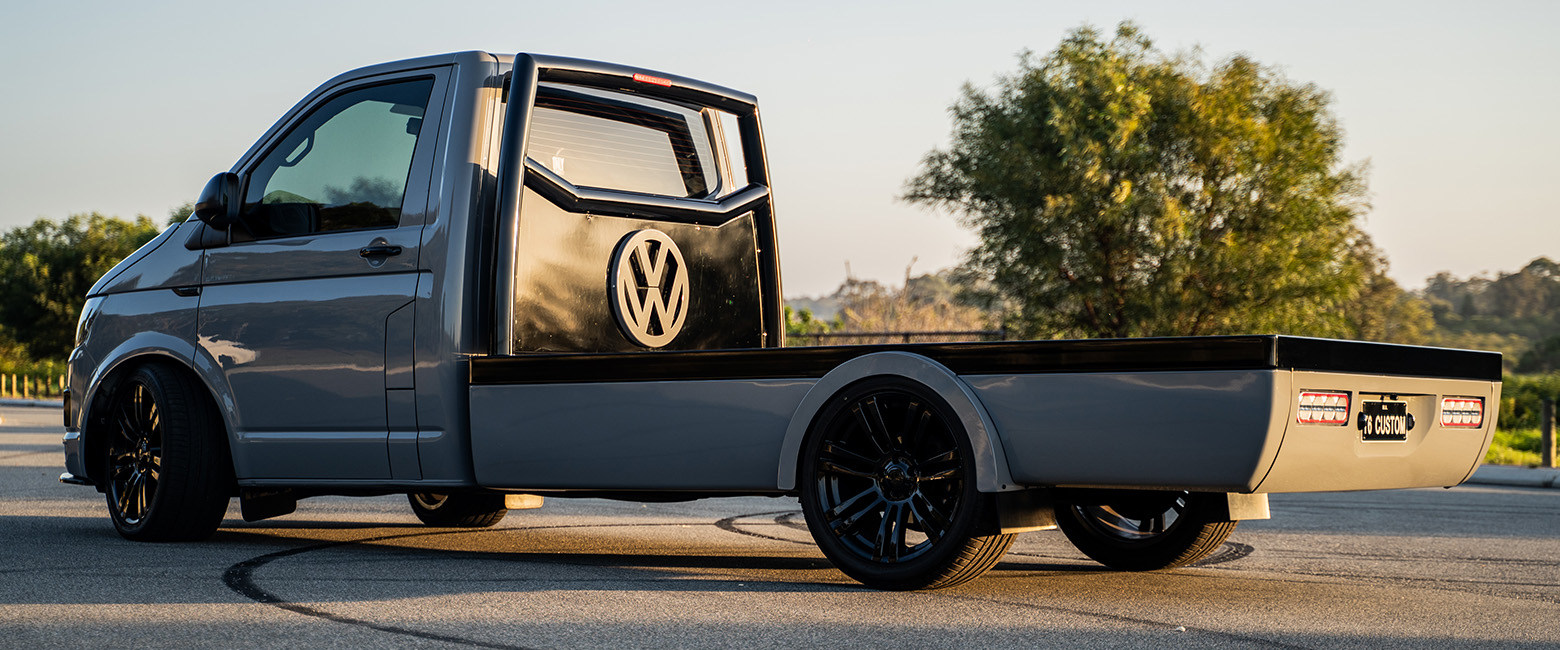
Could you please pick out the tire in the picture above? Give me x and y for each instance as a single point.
(166, 471)
(897, 447)
(458, 510)
(1142, 530)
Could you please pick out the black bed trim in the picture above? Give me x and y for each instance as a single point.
(1093, 355)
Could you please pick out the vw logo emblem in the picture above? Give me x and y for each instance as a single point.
(649, 282)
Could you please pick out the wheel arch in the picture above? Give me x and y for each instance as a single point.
(991, 468)
(146, 348)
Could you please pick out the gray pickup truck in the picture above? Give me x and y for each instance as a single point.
(483, 280)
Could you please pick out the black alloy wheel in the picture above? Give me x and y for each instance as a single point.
(1142, 530)
(166, 472)
(888, 489)
(135, 453)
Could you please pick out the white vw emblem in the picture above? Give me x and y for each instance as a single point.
(650, 281)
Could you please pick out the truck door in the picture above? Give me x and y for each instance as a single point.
(302, 307)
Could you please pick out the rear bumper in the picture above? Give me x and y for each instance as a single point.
(1226, 431)
(1317, 458)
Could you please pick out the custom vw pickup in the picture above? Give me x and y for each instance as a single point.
(484, 280)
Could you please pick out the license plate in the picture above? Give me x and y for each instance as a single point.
(1384, 421)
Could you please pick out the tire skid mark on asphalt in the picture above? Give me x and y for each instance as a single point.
(240, 578)
(729, 524)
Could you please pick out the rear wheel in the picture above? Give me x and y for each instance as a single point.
(888, 489)
(166, 472)
(1142, 530)
(458, 510)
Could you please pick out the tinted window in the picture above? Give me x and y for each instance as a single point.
(616, 141)
(344, 167)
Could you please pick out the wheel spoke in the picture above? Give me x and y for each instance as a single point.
(127, 428)
(932, 519)
(917, 418)
(131, 497)
(845, 516)
(831, 467)
(890, 534)
(838, 460)
(871, 420)
(141, 495)
(941, 466)
(122, 495)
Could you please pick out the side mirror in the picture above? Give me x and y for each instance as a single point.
(218, 202)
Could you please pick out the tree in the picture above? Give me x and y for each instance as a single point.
(1121, 192)
(180, 213)
(1382, 310)
(46, 269)
(1543, 357)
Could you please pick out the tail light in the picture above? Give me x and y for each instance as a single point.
(647, 79)
(1323, 407)
(1462, 412)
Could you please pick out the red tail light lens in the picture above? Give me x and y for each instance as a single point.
(1462, 412)
(1323, 407)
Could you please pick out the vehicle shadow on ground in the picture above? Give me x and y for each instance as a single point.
(419, 565)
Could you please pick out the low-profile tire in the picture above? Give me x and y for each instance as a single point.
(458, 510)
(166, 472)
(888, 489)
(1142, 530)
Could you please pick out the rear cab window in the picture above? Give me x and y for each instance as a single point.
(618, 141)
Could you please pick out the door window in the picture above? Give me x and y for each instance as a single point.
(344, 167)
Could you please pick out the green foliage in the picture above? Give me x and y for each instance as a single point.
(180, 213)
(1521, 399)
(1382, 310)
(1544, 356)
(46, 269)
(799, 324)
(1121, 192)
(1518, 447)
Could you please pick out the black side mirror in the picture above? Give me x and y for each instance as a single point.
(218, 203)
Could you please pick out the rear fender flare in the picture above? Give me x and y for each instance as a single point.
(991, 468)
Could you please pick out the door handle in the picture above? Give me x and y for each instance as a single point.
(379, 250)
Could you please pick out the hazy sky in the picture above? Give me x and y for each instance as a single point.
(128, 108)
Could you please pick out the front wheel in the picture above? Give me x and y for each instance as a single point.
(458, 510)
(1132, 530)
(888, 490)
(166, 471)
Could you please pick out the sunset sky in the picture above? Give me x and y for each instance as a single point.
(127, 108)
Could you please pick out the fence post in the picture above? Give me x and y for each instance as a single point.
(1547, 434)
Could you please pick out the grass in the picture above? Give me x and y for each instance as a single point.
(1514, 447)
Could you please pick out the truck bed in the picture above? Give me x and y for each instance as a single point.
(1203, 413)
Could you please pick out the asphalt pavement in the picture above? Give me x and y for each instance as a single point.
(1474, 566)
